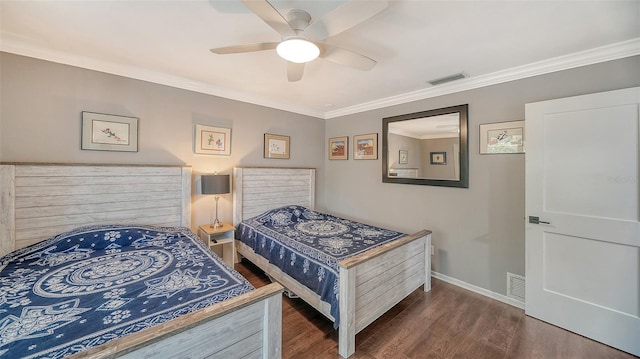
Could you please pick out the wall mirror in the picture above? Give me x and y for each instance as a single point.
(427, 148)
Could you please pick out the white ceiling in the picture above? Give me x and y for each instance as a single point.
(414, 41)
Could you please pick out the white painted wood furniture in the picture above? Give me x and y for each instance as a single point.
(370, 283)
(41, 200)
(221, 240)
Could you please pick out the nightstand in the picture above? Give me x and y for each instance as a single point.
(220, 240)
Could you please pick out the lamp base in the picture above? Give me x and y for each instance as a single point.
(216, 224)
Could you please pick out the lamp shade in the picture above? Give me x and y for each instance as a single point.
(215, 184)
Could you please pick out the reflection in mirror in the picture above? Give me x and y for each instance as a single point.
(428, 148)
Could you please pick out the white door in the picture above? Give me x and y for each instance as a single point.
(582, 168)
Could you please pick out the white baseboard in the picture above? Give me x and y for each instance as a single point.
(479, 290)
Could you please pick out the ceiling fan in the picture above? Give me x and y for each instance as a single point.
(302, 39)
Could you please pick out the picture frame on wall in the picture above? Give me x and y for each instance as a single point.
(438, 158)
(212, 140)
(103, 132)
(403, 157)
(502, 138)
(276, 146)
(339, 148)
(365, 147)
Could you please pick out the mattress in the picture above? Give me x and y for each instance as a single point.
(94, 284)
(307, 245)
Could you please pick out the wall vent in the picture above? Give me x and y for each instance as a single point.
(515, 286)
(449, 78)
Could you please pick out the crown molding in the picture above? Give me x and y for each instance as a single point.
(600, 54)
(588, 57)
(18, 47)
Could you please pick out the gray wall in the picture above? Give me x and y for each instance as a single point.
(478, 232)
(40, 121)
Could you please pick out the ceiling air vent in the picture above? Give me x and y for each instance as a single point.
(449, 78)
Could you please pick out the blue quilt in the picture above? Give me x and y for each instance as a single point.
(86, 287)
(308, 245)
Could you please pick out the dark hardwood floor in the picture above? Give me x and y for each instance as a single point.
(448, 322)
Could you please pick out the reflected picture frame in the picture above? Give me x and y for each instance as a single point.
(210, 140)
(438, 158)
(403, 157)
(276, 146)
(365, 147)
(104, 132)
(339, 148)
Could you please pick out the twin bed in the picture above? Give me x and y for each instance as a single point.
(203, 308)
(77, 294)
(270, 205)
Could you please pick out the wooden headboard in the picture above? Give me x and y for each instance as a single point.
(259, 189)
(42, 200)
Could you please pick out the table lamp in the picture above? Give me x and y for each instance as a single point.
(215, 184)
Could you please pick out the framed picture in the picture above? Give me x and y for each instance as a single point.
(339, 148)
(365, 147)
(403, 157)
(103, 132)
(503, 137)
(212, 140)
(438, 158)
(276, 146)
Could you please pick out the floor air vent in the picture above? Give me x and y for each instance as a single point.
(515, 286)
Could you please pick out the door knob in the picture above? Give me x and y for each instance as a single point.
(536, 220)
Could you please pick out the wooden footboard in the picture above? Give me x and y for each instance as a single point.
(370, 283)
(375, 281)
(247, 326)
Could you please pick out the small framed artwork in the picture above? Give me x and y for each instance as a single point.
(339, 148)
(365, 147)
(403, 157)
(276, 146)
(438, 158)
(503, 137)
(102, 132)
(212, 140)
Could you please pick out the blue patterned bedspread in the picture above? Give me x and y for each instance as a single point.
(83, 288)
(308, 245)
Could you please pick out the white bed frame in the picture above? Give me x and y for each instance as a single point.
(370, 283)
(41, 200)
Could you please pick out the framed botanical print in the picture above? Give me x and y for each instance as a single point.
(212, 140)
(276, 146)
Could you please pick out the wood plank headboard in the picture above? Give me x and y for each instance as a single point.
(42, 200)
(259, 189)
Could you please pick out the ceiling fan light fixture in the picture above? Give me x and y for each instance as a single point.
(298, 50)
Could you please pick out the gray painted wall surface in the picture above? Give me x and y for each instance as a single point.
(479, 232)
(40, 121)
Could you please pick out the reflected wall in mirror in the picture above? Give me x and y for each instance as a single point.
(427, 148)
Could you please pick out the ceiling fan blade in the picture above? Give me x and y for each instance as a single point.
(245, 48)
(270, 15)
(347, 58)
(343, 18)
(294, 71)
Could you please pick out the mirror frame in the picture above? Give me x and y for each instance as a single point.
(463, 182)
